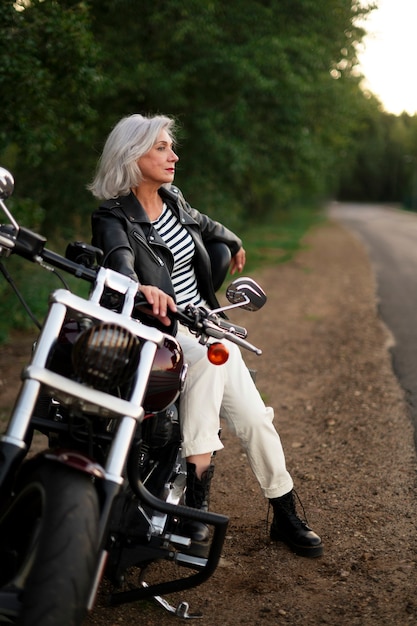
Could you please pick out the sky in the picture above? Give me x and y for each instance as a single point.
(389, 56)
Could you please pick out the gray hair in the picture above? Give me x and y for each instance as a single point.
(131, 138)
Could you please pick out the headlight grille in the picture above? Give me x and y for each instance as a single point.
(105, 356)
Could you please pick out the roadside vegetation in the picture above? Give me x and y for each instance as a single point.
(272, 119)
(272, 243)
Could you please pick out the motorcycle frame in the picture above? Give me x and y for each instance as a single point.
(128, 412)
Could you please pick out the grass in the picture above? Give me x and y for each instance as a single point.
(35, 284)
(275, 241)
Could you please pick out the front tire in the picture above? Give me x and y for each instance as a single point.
(49, 540)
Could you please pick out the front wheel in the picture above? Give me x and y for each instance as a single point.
(49, 543)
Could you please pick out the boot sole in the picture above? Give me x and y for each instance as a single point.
(311, 552)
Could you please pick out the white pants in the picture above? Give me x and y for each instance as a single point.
(228, 391)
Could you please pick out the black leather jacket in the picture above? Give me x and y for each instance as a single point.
(121, 228)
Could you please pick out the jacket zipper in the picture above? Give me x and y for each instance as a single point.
(140, 240)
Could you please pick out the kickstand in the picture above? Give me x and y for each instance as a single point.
(180, 611)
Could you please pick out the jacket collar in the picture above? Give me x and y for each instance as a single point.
(135, 212)
(132, 208)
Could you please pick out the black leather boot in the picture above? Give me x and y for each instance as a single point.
(197, 496)
(291, 529)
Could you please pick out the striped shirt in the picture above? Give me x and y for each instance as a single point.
(181, 244)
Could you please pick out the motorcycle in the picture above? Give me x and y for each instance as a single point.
(103, 498)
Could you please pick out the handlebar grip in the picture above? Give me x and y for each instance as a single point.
(143, 306)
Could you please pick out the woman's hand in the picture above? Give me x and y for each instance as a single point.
(238, 261)
(161, 302)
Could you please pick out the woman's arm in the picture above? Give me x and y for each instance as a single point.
(110, 236)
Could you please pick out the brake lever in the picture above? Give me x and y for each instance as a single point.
(203, 323)
(7, 243)
(212, 330)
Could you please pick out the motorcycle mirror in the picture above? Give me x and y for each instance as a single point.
(246, 293)
(6, 184)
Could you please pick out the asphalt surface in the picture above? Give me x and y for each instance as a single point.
(390, 237)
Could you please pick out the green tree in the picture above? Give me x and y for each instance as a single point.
(382, 165)
(264, 93)
(261, 90)
(47, 78)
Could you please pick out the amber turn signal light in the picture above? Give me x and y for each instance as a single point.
(217, 353)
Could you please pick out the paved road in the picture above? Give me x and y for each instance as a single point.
(390, 236)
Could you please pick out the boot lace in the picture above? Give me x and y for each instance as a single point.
(290, 507)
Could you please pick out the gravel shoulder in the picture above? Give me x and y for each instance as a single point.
(348, 438)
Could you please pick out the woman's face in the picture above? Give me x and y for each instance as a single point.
(158, 165)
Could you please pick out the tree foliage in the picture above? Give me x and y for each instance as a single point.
(383, 165)
(46, 73)
(250, 83)
(266, 96)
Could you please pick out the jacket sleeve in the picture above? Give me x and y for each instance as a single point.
(109, 234)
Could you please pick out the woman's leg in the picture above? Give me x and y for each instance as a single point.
(228, 390)
(200, 401)
(201, 461)
(252, 421)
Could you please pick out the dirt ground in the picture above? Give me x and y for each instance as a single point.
(348, 440)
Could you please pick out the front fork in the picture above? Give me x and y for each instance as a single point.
(13, 447)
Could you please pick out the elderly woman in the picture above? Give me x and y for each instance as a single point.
(150, 233)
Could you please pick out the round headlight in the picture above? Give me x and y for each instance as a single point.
(106, 356)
